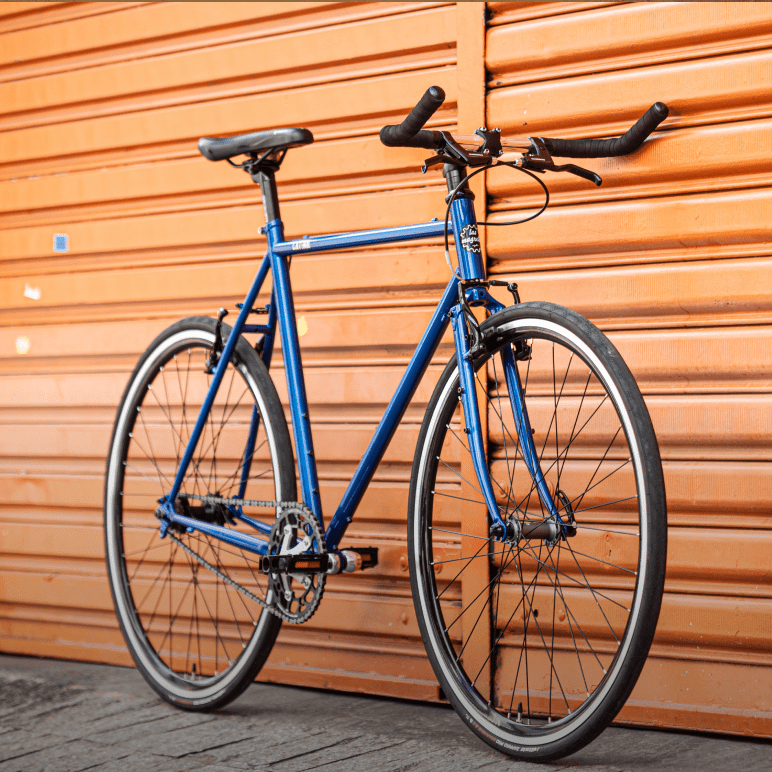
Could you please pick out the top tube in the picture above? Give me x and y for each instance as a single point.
(431, 229)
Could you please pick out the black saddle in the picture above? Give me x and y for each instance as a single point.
(217, 148)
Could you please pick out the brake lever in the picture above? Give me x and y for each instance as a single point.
(540, 160)
(579, 172)
(438, 159)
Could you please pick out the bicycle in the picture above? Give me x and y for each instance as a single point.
(536, 567)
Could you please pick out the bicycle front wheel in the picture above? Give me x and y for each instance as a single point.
(537, 642)
(197, 639)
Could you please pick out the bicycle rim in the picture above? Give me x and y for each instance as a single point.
(195, 637)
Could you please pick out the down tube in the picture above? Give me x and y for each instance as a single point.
(393, 415)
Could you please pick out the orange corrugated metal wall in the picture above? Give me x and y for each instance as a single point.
(672, 257)
(100, 108)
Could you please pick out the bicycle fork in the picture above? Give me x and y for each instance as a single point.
(514, 527)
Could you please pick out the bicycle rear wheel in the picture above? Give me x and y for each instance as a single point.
(538, 642)
(197, 640)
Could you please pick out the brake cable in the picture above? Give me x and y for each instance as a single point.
(457, 190)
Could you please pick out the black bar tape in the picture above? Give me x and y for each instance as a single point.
(408, 133)
(605, 148)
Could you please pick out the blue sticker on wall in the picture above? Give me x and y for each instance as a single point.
(61, 242)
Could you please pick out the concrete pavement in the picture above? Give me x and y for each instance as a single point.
(58, 716)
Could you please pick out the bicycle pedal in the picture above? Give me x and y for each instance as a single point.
(344, 561)
(294, 564)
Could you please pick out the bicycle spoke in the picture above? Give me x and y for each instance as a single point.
(463, 568)
(459, 498)
(458, 533)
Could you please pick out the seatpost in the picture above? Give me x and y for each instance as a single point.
(265, 177)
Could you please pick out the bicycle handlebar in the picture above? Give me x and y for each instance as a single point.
(606, 148)
(408, 133)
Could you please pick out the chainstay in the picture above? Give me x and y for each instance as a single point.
(236, 586)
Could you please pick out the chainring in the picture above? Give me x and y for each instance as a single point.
(296, 531)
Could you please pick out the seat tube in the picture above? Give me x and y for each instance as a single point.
(301, 423)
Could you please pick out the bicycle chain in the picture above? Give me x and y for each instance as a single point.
(275, 610)
(243, 502)
(243, 590)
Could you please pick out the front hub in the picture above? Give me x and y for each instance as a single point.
(551, 529)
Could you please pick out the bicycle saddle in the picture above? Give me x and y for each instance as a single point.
(218, 148)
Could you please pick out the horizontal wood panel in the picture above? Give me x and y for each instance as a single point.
(669, 163)
(660, 295)
(738, 428)
(384, 328)
(19, 9)
(291, 61)
(720, 88)
(339, 165)
(25, 15)
(641, 35)
(232, 224)
(739, 557)
(508, 13)
(119, 120)
(700, 692)
(311, 106)
(669, 257)
(689, 621)
(184, 289)
(92, 442)
(330, 385)
(709, 226)
(155, 25)
(66, 499)
(721, 494)
(89, 591)
(693, 360)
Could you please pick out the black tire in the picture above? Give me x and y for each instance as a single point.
(599, 591)
(197, 641)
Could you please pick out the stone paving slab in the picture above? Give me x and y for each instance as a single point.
(58, 716)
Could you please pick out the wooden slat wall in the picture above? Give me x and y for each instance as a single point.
(672, 257)
(101, 106)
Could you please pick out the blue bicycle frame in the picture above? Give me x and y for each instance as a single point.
(282, 310)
